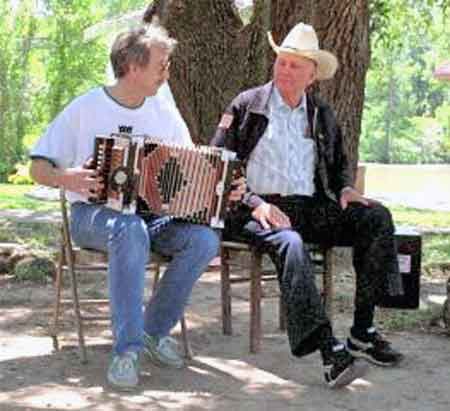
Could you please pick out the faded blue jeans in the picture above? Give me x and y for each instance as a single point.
(128, 240)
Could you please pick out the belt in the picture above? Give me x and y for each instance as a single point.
(284, 198)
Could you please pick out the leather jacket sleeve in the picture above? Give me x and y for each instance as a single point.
(338, 167)
(228, 135)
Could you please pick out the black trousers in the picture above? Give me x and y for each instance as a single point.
(369, 230)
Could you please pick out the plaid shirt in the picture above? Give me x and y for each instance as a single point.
(283, 161)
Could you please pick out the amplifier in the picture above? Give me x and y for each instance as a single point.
(409, 251)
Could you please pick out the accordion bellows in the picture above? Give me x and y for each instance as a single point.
(189, 183)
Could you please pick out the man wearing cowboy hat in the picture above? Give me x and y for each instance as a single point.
(301, 190)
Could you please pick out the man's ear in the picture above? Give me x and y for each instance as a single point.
(312, 78)
(132, 69)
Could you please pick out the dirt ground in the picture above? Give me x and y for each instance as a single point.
(222, 375)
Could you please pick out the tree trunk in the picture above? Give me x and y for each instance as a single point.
(219, 56)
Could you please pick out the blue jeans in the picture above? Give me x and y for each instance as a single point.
(128, 239)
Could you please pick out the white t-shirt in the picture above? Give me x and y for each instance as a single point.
(69, 139)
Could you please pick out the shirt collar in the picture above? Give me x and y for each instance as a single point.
(277, 102)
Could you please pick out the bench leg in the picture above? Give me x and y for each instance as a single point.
(76, 307)
(226, 292)
(255, 302)
(54, 325)
(186, 345)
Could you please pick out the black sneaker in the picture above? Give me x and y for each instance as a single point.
(342, 368)
(374, 348)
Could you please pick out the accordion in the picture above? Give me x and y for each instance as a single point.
(189, 183)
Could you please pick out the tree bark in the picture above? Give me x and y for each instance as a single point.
(343, 27)
(219, 56)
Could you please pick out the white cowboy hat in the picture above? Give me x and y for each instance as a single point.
(302, 41)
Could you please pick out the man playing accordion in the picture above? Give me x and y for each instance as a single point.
(140, 61)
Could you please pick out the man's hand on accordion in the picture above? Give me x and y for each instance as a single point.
(83, 181)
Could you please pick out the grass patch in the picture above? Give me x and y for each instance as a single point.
(435, 250)
(401, 320)
(435, 247)
(423, 219)
(390, 319)
(12, 197)
(38, 236)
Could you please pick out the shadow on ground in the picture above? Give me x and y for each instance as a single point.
(222, 375)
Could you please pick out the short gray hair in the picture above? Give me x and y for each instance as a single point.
(133, 46)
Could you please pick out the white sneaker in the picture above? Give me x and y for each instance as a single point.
(163, 351)
(123, 370)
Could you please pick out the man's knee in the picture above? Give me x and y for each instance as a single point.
(130, 231)
(291, 239)
(206, 240)
(380, 217)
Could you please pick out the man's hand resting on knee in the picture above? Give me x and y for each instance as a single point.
(270, 216)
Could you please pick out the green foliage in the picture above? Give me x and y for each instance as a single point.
(401, 320)
(40, 237)
(36, 269)
(22, 174)
(442, 115)
(435, 246)
(45, 62)
(73, 65)
(13, 197)
(117, 7)
(17, 29)
(436, 250)
(400, 121)
(424, 219)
